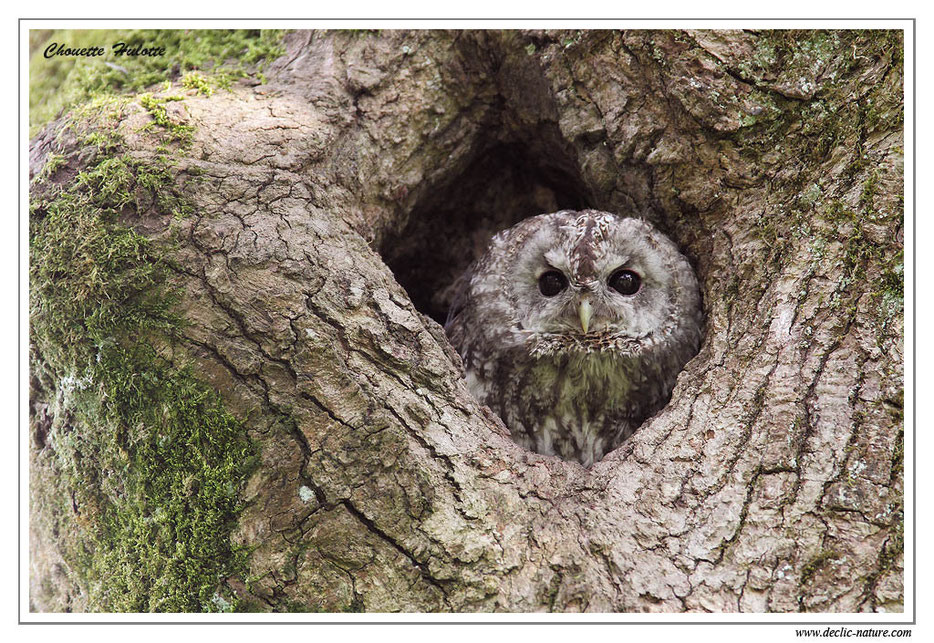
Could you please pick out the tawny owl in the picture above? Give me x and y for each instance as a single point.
(573, 328)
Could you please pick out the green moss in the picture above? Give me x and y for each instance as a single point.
(731, 292)
(867, 196)
(894, 549)
(572, 39)
(53, 163)
(862, 255)
(816, 563)
(117, 182)
(144, 465)
(199, 82)
(819, 63)
(878, 268)
(773, 229)
(156, 106)
(59, 83)
(360, 32)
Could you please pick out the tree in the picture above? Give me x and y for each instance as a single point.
(242, 399)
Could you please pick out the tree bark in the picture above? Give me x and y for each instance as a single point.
(334, 206)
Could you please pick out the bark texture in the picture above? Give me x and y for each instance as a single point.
(337, 202)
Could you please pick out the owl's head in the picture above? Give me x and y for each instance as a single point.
(588, 281)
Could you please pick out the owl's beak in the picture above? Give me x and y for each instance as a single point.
(585, 312)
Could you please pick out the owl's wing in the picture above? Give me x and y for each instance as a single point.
(461, 290)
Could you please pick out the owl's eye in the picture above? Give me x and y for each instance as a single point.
(625, 282)
(551, 283)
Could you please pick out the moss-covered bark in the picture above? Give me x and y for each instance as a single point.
(137, 467)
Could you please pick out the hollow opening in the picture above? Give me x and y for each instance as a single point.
(519, 174)
(505, 183)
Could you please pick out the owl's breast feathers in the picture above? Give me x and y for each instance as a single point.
(578, 405)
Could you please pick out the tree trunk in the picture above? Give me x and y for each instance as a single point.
(330, 209)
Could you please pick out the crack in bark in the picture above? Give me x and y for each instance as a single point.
(419, 565)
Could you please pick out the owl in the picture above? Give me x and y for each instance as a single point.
(573, 327)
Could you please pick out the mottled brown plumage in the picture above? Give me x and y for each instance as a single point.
(573, 328)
